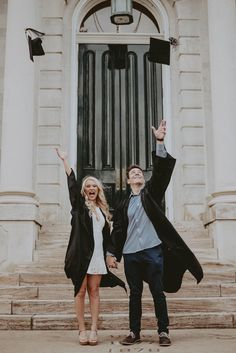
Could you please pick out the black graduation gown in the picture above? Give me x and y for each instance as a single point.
(81, 243)
(177, 256)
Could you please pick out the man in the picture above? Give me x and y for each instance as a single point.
(153, 251)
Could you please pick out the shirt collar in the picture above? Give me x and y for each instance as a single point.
(132, 194)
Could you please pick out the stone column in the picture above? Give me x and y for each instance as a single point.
(222, 46)
(18, 206)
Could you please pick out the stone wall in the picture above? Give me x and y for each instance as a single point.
(50, 111)
(190, 111)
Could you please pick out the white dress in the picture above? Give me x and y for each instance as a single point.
(97, 263)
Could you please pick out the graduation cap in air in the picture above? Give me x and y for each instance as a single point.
(35, 44)
(118, 56)
(159, 51)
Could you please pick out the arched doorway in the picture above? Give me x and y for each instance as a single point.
(117, 105)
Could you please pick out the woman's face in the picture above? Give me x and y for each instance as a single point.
(91, 189)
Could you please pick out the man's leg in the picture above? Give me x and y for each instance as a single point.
(133, 275)
(153, 259)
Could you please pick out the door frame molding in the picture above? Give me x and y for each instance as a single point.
(82, 7)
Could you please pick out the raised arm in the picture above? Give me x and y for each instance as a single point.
(163, 165)
(160, 133)
(71, 180)
(64, 157)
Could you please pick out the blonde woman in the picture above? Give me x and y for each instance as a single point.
(85, 256)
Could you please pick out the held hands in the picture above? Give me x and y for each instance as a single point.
(111, 261)
(160, 132)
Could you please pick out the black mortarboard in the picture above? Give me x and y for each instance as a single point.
(118, 56)
(159, 51)
(35, 45)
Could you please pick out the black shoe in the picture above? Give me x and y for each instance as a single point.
(132, 338)
(164, 339)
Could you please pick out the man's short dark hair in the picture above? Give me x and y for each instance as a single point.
(132, 167)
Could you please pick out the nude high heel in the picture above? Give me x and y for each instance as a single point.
(83, 338)
(93, 338)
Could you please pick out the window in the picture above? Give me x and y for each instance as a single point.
(98, 20)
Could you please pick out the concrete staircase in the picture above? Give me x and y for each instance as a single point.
(38, 295)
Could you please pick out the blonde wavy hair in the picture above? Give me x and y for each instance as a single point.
(100, 202)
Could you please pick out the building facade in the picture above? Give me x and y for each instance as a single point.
(41, 104)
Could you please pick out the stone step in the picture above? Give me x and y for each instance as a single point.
(220, 276)
(49, 239)
(44, 237)
(10, 279)
(187, 229)
(43, 278)
(63, 292)
(66, 291)
(50, 276)
(37, 267)
(208, 290)
(194, 320)
(5, 307)
(61, 244)
(19, 292)
(15, 322)
(201, 290)
(51, 244)
(59, 253)
(56, 266)
(118, 322)
(183, 226)
(18, 307)
(228, 289)
(56, 228)
(217, 264)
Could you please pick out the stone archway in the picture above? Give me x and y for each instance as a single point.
(77, 11)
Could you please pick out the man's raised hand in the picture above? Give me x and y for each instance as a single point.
(160, 132)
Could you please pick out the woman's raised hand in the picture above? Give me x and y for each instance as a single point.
(61, 154)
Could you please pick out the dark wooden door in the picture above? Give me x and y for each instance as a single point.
(116, 109)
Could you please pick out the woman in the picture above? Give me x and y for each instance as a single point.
(85, 256)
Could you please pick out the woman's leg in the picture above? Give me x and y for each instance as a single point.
(79, 304)
(93, 282)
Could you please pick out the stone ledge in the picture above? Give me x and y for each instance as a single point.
(107, 306)
(15, 322)
(69, 322)
(5, 307)
(193, 320)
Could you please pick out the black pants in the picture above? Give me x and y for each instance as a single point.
(146, 264)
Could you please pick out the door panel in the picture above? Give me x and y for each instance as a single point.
(116, 109)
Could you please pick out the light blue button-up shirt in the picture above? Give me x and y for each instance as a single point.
(141, 233)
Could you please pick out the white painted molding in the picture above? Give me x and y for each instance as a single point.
(129, 38)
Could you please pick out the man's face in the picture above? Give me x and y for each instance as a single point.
(136, 177)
